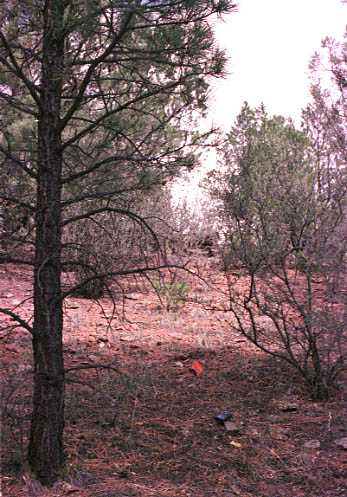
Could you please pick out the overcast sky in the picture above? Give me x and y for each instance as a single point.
(270, 44)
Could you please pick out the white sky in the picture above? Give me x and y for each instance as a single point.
(270, 44)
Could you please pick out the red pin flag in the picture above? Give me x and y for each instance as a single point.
(197, 367)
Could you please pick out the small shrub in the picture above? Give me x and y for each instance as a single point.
(94, 289)
(285, 212)
(171, 294)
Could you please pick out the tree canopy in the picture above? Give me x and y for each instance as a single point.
(98, 100)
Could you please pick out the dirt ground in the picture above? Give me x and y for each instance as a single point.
(147, 427)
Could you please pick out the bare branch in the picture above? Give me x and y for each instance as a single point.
(17, 318)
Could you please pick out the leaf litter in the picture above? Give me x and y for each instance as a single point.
(145, 426)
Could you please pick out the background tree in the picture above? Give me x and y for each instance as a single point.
(284, 229)
(262, 154)
(101, 94)
(325, 118)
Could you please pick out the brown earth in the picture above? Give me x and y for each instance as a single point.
(146, 427)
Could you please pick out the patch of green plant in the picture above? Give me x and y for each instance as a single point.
(171, 294)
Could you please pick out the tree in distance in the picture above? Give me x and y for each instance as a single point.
(281, 194)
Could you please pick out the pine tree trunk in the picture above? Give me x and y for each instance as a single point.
(46, 454)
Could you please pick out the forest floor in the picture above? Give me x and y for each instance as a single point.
(147, 427)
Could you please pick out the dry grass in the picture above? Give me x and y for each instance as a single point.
(149, 431)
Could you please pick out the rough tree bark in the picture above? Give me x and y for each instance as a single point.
(46, 453)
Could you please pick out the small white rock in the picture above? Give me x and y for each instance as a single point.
(341, 442)
(232, 427)
(312, 444)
